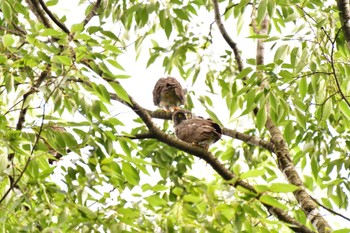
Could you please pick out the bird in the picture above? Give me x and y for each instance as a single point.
(196, 130)
(169, 94)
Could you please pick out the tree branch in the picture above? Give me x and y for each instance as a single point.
(34, 6)
(330, 210)
(214, 162)
(23, 111)
(226, 36)
(281, 149)
(92, 12)
(53, 18)
(200, 153)
(344, 14)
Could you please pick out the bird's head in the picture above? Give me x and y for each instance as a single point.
(181, 115)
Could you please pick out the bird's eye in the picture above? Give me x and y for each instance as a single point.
(181, 115)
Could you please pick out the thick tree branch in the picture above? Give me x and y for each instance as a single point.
(344, 13)
(200, 153)
(214, 163)
(53, 18)
(250, 139)
(281, 149)
(34, 6)
(226, 36)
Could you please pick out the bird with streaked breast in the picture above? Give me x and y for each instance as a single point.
(196, 130)
(168, 94)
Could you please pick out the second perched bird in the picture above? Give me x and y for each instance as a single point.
(202, 132)
(168, 93)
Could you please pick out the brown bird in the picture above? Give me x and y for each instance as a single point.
(168, 93)
(199, 131)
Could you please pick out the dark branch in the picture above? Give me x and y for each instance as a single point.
(34, 6)
(330, 210)
(22, 113)
(53, 18)
(226, 36)
(215, 164)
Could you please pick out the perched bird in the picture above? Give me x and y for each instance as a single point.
(199, 131)
(168, 93)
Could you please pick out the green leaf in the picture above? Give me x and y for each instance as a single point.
(79, 27)
(115, 64)
(252, 173)
(7, 11)
(345, 109)
(86, 212)
(155, 200)
(327, 109)
(303, 87)
(112, 48)
(120, 91)
(244, 72)
(181, 13)
(3, 59)
(51, 3)
(271, 6)
(272, 202)
(7, 40)
(110, 35)
(64, 60)
(281, 53)
(261, 11)
(62, 218)
(343, 230)
(261, 188)
(261, 118)
(191, 198)
(130, 173)
(289, 132)
(168, 27)
(52, 32)
(177, 191)
(282, 188)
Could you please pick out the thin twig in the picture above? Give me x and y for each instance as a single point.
(330, 210)
(226, 36)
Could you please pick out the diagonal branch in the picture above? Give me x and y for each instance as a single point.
(53, 18)
(92, 12)
(214, 163)
(205, 155)
(34, 6)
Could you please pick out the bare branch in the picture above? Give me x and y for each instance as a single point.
(13, 31)
(330, 210)
(53, 18)
(226, 36)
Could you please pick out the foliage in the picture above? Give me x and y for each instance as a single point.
(72, 156)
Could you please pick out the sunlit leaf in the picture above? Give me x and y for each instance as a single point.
(272, 201)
